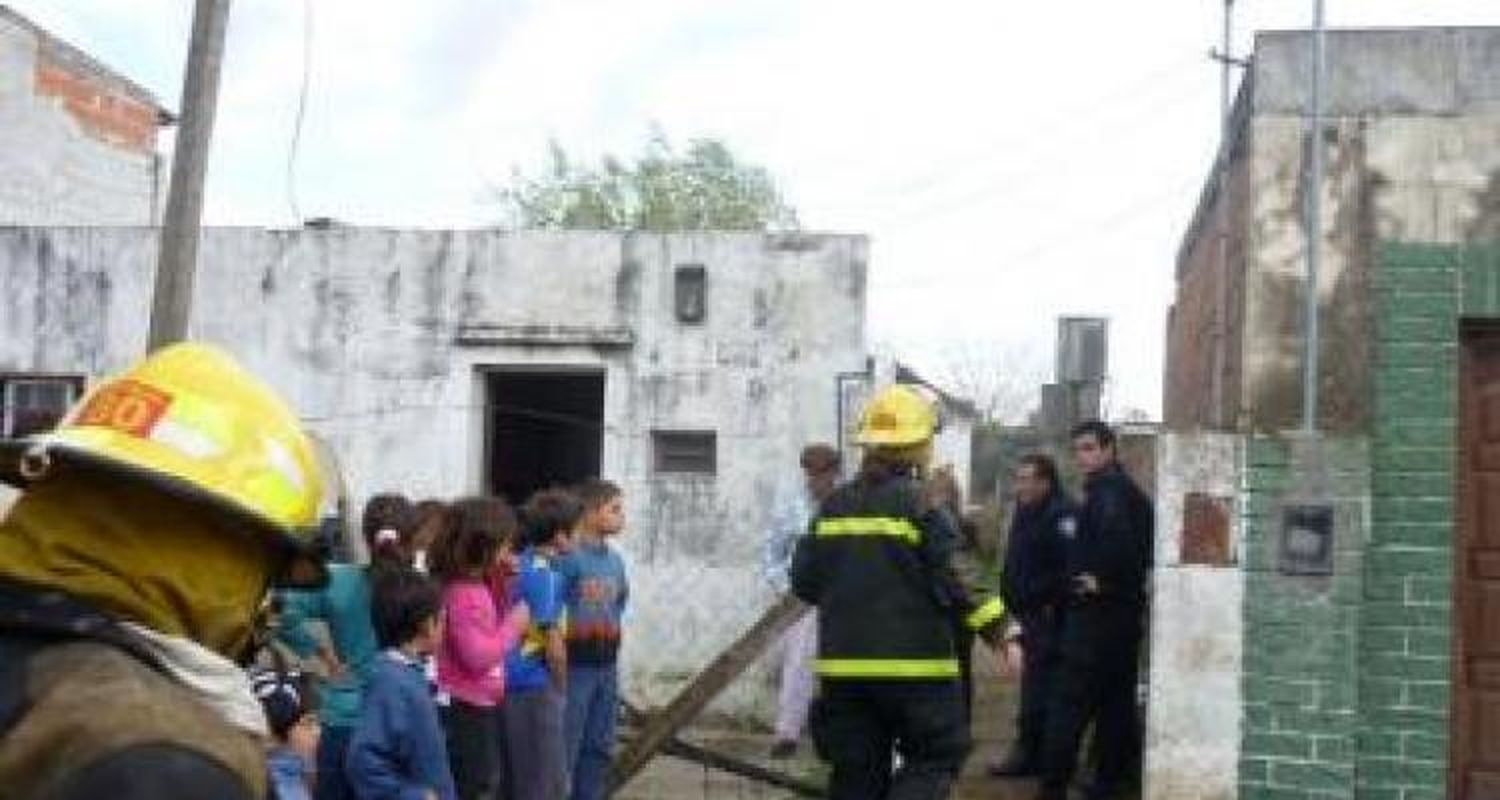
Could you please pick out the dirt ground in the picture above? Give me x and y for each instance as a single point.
(672, 779)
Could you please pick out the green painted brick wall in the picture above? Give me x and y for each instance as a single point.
(1347, 679)
(1301, 648)
(1405, 633)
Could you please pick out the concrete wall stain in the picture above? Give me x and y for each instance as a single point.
(1485, 227)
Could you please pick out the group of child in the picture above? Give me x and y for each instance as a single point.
(474, 658)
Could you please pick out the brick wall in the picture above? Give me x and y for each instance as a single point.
(1205, 287)
(77, 147)
(1300, 656)
(1406, 633)
(101, 110)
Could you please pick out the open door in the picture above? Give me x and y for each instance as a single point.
(546, 428)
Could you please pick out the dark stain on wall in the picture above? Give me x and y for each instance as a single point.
(858, 276)
(393, 291)
(1485, 228)
(627, 283)
(1344, 380)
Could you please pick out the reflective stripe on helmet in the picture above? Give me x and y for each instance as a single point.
(897, 527)
(888, 667)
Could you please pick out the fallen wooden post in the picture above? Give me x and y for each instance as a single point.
(734, 766)
(703, 688)
(723, 762)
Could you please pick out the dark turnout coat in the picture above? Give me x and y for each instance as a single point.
(878, 565)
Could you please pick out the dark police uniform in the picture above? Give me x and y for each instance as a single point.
(1033, 585)
(1099, 638)
(878, 568)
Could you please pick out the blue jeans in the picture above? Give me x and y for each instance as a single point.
(333, 744)
(589, 727)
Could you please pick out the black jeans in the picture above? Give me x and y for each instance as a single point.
(473, 749)
(856, 724)
(1099, 660)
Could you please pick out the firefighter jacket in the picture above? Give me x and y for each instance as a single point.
(88, 710)
(878, 566)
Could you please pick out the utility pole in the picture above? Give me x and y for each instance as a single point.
(1314, 223)
(177, 253)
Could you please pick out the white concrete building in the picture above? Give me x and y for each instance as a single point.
(77, 140)
(689, 368)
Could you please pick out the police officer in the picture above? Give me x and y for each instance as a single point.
(1032, 585)
(877, 566)
(1099, 640)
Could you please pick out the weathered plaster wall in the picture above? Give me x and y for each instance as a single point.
(1193, 726)
(1412, 149)
(77, 145)
(1344, 676)
(378, 338)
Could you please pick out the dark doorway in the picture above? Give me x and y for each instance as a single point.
(1476, 689)
(546, 428)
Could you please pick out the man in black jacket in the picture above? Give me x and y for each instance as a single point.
(1032, 586)
(1099, 640)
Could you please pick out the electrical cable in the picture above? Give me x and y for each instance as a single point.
(291, 159)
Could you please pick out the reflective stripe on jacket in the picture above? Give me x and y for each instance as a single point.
(878, 567)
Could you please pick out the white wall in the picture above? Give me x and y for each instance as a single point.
(1194, 708)
(357, 328)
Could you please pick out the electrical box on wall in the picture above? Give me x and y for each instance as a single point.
(1306, 540)
(691, 293)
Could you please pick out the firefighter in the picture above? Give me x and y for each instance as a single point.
(877, 567)
(152, 523)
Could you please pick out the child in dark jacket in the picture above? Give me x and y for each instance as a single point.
(397, 750)
(293, 720)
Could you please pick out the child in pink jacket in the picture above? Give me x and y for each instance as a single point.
(476, 640)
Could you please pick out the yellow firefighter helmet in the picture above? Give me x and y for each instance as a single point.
(897, 416)
(191, 422)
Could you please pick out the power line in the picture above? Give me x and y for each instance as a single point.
(1063, 118)
(291, 159)
(544, 415)
(1069, 237)
(1021, 180)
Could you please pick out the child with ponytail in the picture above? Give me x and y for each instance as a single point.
(348, 659)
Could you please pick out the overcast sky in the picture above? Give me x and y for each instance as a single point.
(1011, 162)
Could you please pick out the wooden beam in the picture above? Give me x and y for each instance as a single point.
(703, 688)
(724, 762)
(712, 759)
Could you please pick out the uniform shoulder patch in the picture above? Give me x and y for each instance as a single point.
(1067, 526)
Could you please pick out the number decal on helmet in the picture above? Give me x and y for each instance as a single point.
(126, 406)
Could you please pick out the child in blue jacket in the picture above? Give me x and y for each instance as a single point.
(397, 750)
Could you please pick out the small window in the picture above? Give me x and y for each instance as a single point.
(691, 293)
(685, 452)
(32, 404)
